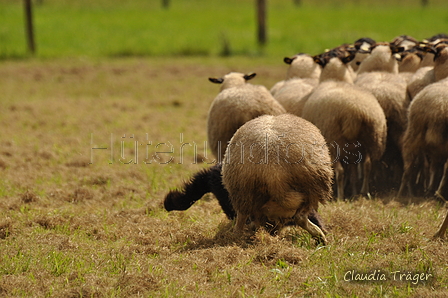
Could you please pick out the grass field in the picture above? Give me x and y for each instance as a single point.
(111, 114)
(210, 28)
(83, 222)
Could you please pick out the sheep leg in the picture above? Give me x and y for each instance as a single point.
(432, 177)
(353, 170)
(438, 193)
(240, 222)
(303, 222)
(367, 169)
(339, 171)
(408, 164)
(442, 230)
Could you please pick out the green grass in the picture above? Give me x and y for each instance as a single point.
(201, 28)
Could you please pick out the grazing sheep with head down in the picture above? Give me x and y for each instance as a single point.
(349, 117)
(210, 180)
(277, 169)
(237, 103)
(427, 136)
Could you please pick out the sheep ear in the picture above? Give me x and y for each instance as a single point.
(249, 76)
(395, 49)
(216, 81)
(349, 55)
(438, 51)
(424, 47)
(318, 59)
(347, 59)
(288, 60)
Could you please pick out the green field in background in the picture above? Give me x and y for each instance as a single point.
(209, 28)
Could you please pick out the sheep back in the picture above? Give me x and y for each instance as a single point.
(347, 114)
(390, 91)
(292, 92)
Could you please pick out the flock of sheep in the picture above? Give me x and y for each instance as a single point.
(360, 117)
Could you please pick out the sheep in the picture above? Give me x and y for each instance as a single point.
(429, 58)
(378, 74)
(301, 66)
(426, 136)
(362, 46)
(303, 76)
(236, 103)
(382, 59)
(409, 61)
(349, 117)
(277, 169)
(428, 75)
(210, 180)
(405, 41)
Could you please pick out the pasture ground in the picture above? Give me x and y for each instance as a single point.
(81, 221)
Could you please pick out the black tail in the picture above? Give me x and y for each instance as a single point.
(204, 181)
(192, 191)
(220, 192)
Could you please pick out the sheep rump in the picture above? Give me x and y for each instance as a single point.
(278, 169)
(427, 134)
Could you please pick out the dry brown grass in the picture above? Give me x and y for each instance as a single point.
(73, 229)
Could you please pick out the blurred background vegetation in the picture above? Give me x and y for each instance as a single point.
(119, 28)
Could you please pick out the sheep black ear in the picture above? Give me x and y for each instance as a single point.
(349, 55)
(420, 55)
(249, 76)
(424, 47)
(437, 51)
(395, 49)
(318, 60)
(216, 81)
(347, 59)
(288, 60)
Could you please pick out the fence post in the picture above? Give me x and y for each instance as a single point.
(29, 30)
(261, 19)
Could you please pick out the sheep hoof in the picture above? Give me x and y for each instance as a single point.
(439, 236)
(439, 197)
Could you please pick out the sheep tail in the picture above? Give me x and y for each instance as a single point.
(204, 181)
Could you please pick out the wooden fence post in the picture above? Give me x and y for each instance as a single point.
(261, 19)
(29, 30)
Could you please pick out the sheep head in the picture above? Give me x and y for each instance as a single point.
(232, 79)
(405, 41)
(345, 53)
(335, 64)
(302, 66)
(364, 44)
